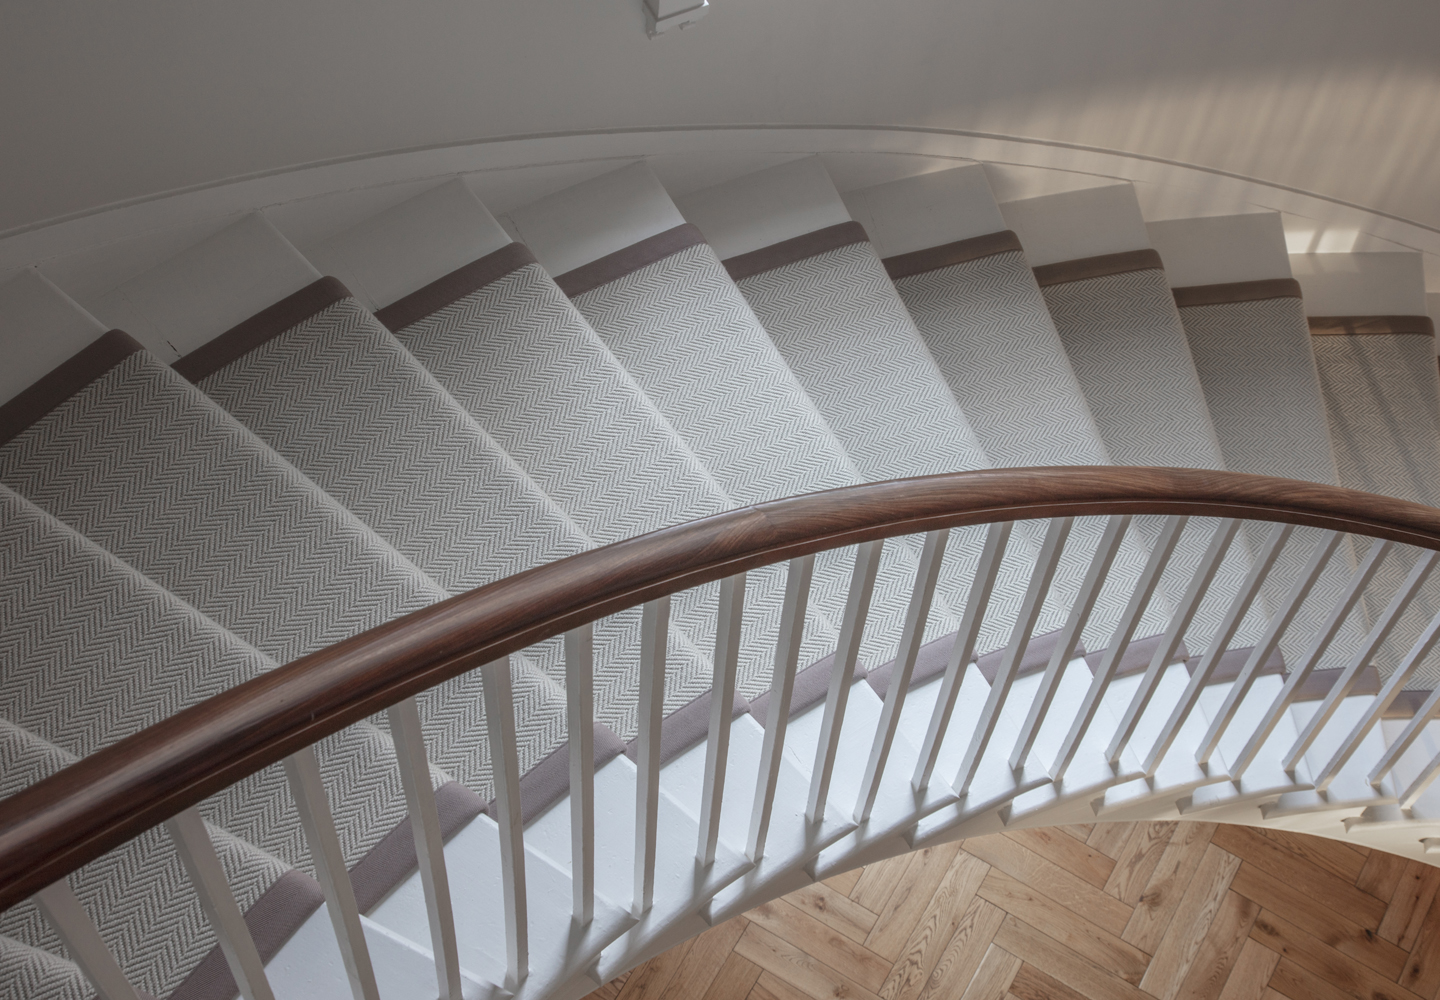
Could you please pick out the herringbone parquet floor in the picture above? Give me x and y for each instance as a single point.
(1113, 911)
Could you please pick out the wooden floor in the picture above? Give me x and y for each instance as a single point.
(1115, 910)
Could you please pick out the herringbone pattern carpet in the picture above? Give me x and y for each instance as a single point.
(1111, 911)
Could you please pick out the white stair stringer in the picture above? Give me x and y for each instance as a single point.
(682, 886)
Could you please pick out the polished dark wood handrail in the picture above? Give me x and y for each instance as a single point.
(104, 800)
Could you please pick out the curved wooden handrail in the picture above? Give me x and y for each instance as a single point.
(106, 799)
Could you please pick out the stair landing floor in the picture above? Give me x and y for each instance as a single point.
(1109, 910)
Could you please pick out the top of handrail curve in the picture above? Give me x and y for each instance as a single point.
(109, 797)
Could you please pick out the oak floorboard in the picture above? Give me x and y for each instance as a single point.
(1317, 883)
(1329, 925)
(815, 939)
(912, 895)
(961, 957)
(937, 926)
(1137, 860)
(1202, 900)
(1167, 885)
(1411, 900)
(1318, 958)
(1109, 838)
(1069, 890)
(1211, 968)
(788, 963)
(835, 910)
(1219, 913)
(1250, 976)
(1080, 831)
(1064, 925)
(993, 978)
(1078, 859)
(1381, 874)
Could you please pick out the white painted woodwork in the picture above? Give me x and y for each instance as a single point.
(40, 328)
(766, 207)
(1219, 249)
(837, 694)
(580, 719)
(929, 210)
(197, 854)
(68, 919)
(411, 756)
(729, 623)
(505, 766)
(404, 248)
(307, 787)
(654, 627)
(208, 288)
(1361, 284)
(597, 217)
(1078, 224)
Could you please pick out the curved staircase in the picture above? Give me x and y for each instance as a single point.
(314, 456)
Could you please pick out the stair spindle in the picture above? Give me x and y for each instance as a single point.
(1219, 644)
(410, 754)
(982, 586)
(1417, 723)
(911, 638)
(1040, 579)
(1376, 710)
(307, 786)
(847, 652)
(1279, 621)
(1160, 554)
(87, 949)
(499, 699)
(580, 717)
(1200, 581)
(1400, 602)
(1069, 638)
(1312, 656)
(782, 686)
(729, 621)
(654, 630)
(197, 853)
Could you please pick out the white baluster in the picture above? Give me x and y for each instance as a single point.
(1140, 597)
(68, 919)
(580, 717)
(1040, 580)
(197, 854)
(410, 754)
(1184, 614)
(1422, 781)
(654, 628)
(847, 651)
(1302, 670)
(912, 636)
(729, 620)
(1069, 637)
(1405, 740)
(308, 789)
(1377, 709)
(782, 686)
(1269, 639)
(1400, 602)
(982, 586)
(505, 765)
(1219, 644)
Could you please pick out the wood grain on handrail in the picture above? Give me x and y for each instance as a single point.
(104, 800)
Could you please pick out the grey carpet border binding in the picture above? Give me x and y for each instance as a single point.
(1371, 326)
(447, 290)
(31, 406)
(1236, 291)
(628, 260)
(906, 265)
(1104, 265)
(747, 265)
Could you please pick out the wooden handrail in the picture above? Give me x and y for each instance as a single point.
(110, 797)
